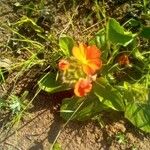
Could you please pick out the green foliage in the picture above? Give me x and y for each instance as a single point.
(30, 8)
(16, 107)
(57, 146)
(139, 115)
(82, 108)
(117, 35)
(121, 138)
(126, 96)
(135, 93)
(108, 92)
(99, 39)
(109, 95)
(29, 22)
(49, 83)
(17, 104)
(3, 104)
(66, 44)
(137, 106)
(145, 32)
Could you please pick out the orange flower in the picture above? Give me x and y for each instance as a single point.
(82, 87)
(63, 64)
(89, 57)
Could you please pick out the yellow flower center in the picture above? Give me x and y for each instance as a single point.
(83, 60)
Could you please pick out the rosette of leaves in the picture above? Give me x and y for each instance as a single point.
(132, 98)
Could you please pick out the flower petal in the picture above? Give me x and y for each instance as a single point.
(79, 52)
(92, 52)
(82, 87)
(92, 66)
(88, 70)
(88, 57)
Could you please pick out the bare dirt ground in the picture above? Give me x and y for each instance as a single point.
(38, 130)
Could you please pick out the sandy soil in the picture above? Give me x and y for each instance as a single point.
(39, 129)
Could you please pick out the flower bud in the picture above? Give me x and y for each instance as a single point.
(123, 60)
(63, 64)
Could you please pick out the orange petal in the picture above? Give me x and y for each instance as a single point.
(63, 64)
(96, 64)
(88, 70)
(92, 52)
(82, 87)
(89, 57)
(92, 66)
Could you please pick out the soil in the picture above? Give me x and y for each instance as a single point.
(39, 128)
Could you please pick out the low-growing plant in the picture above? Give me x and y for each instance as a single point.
(121, 138)
(110, 71)
(16, 107)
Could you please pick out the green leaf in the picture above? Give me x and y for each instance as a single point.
(117, 35)
(145, 32)
(66, 44)
(135, 92)
(138, 54)
(139, 115)
(134, 23)
(82, 108)
(49, 84)
(99, 39)
(108, 95)
(15, 104)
